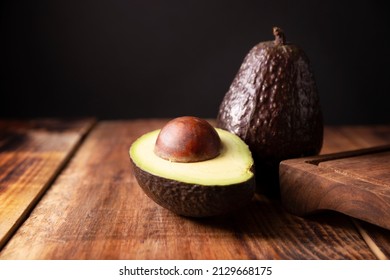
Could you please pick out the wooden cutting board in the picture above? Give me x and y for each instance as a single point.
(356, 183)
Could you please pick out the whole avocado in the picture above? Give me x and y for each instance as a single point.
(273, 105)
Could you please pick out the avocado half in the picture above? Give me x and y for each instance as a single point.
(196, 189)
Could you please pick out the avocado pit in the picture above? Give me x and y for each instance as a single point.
(187, 139)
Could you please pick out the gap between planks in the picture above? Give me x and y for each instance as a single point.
(370, 243)
(48, 184)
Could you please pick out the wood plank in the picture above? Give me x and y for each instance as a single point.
(31, 154)
(96, 210)
(346, 138)
(378, 237)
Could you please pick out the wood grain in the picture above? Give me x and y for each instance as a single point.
(379, 236)
(342, 138)
(31, 155)
(96, 210)
(347, 138)
(355, 183)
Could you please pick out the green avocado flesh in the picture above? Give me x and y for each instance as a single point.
(232, 166)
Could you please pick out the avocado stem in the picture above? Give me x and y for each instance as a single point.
(280, 38)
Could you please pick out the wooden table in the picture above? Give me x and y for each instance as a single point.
(67, 192)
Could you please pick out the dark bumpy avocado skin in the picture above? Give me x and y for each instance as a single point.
(273, 105)
(194, 200)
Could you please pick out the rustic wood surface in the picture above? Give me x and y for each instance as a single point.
(356, 183)
(96, 210)
(378, 237)
(31, 155)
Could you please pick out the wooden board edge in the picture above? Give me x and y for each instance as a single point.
(311, 189)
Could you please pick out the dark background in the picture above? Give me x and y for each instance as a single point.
(135, 59)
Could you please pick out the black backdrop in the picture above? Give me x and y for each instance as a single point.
(133, 59)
